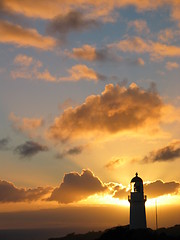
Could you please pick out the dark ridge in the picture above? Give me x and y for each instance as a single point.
(86, 236)
(124, 233)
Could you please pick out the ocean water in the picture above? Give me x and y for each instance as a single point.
(36, 234)
(31, 234)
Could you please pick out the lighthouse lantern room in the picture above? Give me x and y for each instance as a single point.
(137, 201)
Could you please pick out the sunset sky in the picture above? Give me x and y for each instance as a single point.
(89, 95)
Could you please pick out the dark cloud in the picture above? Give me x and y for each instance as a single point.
(4, 143)
(72, 151)
(168, 153)
(113, 164)
(30, 148)
(159, 188)
(76, 187)
(116, 109)
(10, 193)
(73, 21)
(75, 150)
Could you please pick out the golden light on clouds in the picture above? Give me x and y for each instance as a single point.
(89, 95)
(116, 109)
(79, 72)
(15, 34)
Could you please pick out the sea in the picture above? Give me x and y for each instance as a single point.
(37, 234)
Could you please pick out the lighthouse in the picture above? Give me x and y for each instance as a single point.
(137, 201)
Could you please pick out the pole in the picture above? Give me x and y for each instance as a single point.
(156, 214)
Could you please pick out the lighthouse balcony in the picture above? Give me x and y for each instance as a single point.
(137, 197)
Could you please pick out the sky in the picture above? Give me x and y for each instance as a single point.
(89, 95)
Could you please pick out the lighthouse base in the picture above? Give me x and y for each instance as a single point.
(137, 215)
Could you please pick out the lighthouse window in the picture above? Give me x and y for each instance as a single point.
(132, 187)
(136, 187)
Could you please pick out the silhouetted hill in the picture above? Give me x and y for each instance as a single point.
(124, 233)
(86, 236)
(171, 231)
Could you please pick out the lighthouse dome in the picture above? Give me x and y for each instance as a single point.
(136, 179)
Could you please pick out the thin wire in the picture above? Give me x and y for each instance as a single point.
(156, 214)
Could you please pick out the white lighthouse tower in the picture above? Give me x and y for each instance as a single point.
(137, 204)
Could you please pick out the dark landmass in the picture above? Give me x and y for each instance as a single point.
(124, 233)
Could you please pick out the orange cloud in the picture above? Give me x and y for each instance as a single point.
(103, 8)
(23, 60)
(140, 26)
(45, 75)
(30, 68)
(116, 109)
(76, 187)
(172, 65)
(86, 52)
(21, 37)
(91, 53)
(10, 193)
(79, 72)
(120, 192)
(166, 35)
(159, 188)
(26, 125)
(175, 14)
(138, 45)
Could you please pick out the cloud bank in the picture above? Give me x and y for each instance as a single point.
(76, 187)
(159, 188)
(103, 9)
(10, 193)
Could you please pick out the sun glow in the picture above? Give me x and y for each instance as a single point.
(163, 200)
(105, 199)
(108, 199)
